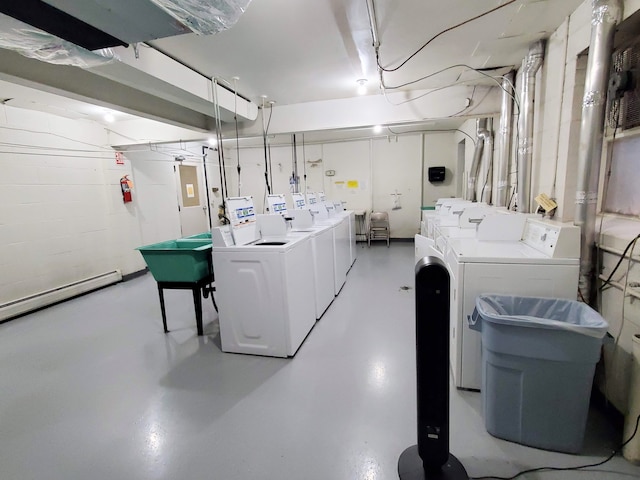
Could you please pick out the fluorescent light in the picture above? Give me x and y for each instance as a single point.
(362, 86)
(212, 141)
(108, 117)
(377, 129)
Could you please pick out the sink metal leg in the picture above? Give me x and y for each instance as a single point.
(164, 313)
(197, 303)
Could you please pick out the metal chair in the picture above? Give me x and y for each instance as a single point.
(379, 227)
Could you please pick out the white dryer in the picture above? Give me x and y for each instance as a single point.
(545, 262)
(265, 289)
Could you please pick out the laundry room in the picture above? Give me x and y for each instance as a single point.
(220, 223)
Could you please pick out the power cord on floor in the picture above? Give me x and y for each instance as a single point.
(556, 469)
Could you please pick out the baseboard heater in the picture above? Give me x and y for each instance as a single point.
(48, 297)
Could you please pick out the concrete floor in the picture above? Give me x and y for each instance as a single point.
(93, 389)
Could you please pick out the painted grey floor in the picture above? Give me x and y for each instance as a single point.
(93, 389)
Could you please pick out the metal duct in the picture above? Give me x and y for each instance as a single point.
(504, 140)
(205, 17)
(32, 42)
(487, 161)
(531, 65)
(606, 14)
(482, 133)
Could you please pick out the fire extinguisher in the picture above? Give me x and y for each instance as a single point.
(125, 186)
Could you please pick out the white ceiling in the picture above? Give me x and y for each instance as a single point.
(304, 51)
(297, 51)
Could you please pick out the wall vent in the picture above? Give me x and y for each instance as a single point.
(624, 107)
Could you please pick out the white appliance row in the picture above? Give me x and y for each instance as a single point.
(273, 280)
(507, 253)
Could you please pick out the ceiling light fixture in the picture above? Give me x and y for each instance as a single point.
(212, 141)
(377, 129)
(362, 86)
(108, 117)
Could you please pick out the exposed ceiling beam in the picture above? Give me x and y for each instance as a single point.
(87, 86)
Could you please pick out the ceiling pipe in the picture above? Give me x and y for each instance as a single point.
(373, 23)
(504, 140)
(530, 67)
(606, 14)
(375, 38)
(472, 180)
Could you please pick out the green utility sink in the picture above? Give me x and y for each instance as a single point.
(182, 260)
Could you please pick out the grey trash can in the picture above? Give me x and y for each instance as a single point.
(538, 360)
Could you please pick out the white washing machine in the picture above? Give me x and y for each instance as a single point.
(324, 214)
(352, 236)
(545, 262)
(277, 203)
(265, 289)
(351, 216)
(322, 250)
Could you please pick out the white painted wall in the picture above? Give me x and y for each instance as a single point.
(376, 168)
(62, 218)
(440, 150)
(252, 161)
(397, 168)
(351, 162)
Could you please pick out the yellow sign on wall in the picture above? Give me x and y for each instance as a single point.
(352, 184)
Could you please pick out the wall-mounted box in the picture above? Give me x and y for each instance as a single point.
(436, 174)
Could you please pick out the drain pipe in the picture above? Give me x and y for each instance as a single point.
(531, 65)
(504, 140)
(606, 14)
(482, 133)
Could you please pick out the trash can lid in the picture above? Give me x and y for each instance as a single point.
(539, 312)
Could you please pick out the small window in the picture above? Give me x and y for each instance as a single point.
(623, 190)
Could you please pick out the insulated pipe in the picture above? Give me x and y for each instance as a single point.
(487, 161)
(531, 65)
(606, 14)
(294, 169)
(481, 131)
(504, 140)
